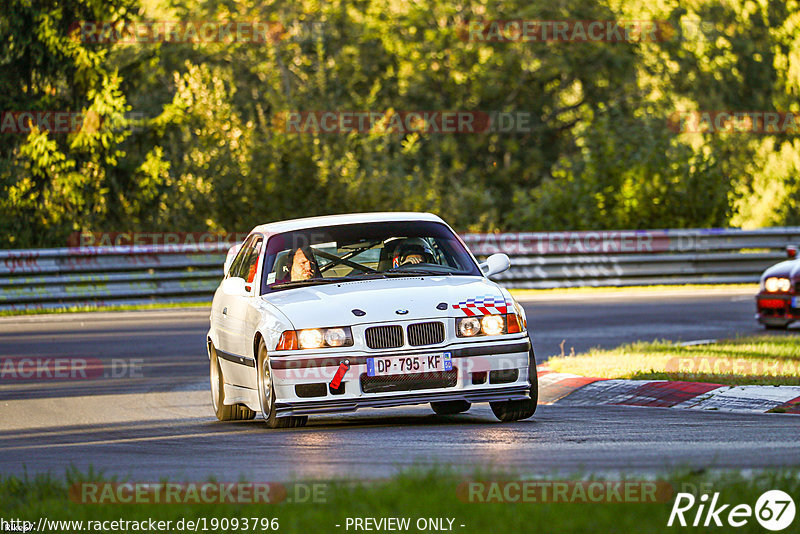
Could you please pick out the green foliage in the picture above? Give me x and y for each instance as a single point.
(51, 184)
(208, 151)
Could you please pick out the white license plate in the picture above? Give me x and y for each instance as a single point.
(404, 365)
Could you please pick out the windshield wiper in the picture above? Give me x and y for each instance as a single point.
(415, 272)
(308, 282)
(363, 276)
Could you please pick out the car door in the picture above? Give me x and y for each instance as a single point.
(222, 302)
(238, 368)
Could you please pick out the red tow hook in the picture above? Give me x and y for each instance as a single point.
(344, 366)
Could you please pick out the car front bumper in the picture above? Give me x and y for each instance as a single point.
(482, 372)
(777, 308)
(385, 400)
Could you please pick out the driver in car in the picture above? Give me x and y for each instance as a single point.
(411, 252)
(303, 266)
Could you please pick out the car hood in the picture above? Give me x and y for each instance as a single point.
(785, 269)
(332, 304)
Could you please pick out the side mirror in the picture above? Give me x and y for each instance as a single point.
(232, 252)
(494, 264)
(234, 286)
(791, 252)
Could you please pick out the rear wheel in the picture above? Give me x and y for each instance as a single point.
(516, 410)
(224, 412)
(266, 394)
(450, 407)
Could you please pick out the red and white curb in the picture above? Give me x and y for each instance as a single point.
(573, 390)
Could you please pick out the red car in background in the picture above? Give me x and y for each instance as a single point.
(778, 301)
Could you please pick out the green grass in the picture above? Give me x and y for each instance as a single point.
(414, 494)
(131, 307)
(766, 360)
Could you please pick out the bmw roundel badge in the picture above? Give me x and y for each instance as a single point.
(401, 312)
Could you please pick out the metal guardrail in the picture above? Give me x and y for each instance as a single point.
(102, 276)
(636, 257)
(80, 276)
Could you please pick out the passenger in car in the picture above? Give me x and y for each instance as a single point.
(412, 251)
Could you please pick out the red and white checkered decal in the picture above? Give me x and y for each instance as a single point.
(483, 305)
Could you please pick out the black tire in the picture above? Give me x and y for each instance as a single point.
(266, 395)
(517, 410)
(224, 412)
(450, 407)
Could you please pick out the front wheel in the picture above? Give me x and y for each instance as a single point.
(266, 394)
(224, 412)
(516, 410)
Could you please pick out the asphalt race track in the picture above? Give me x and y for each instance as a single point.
(148, 417)
(583, 320)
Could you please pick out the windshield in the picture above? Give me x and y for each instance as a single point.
(360, 251)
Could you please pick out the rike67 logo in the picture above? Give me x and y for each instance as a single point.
(774, 510)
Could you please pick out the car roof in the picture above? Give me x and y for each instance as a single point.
(349, 218)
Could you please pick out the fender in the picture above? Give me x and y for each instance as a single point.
(213, 338)
(270, 327)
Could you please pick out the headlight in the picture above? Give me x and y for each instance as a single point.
(469, 326)
(316, 338)
(774, 284)
(488, 325)
(493, 325)
(335, 337)
(310, 339)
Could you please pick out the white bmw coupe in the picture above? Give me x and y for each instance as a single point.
(332, 314)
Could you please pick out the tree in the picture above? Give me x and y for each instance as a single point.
(53, 183)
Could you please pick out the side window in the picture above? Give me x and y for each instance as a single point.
(247, 267)
(252, 261)
(236, 264)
